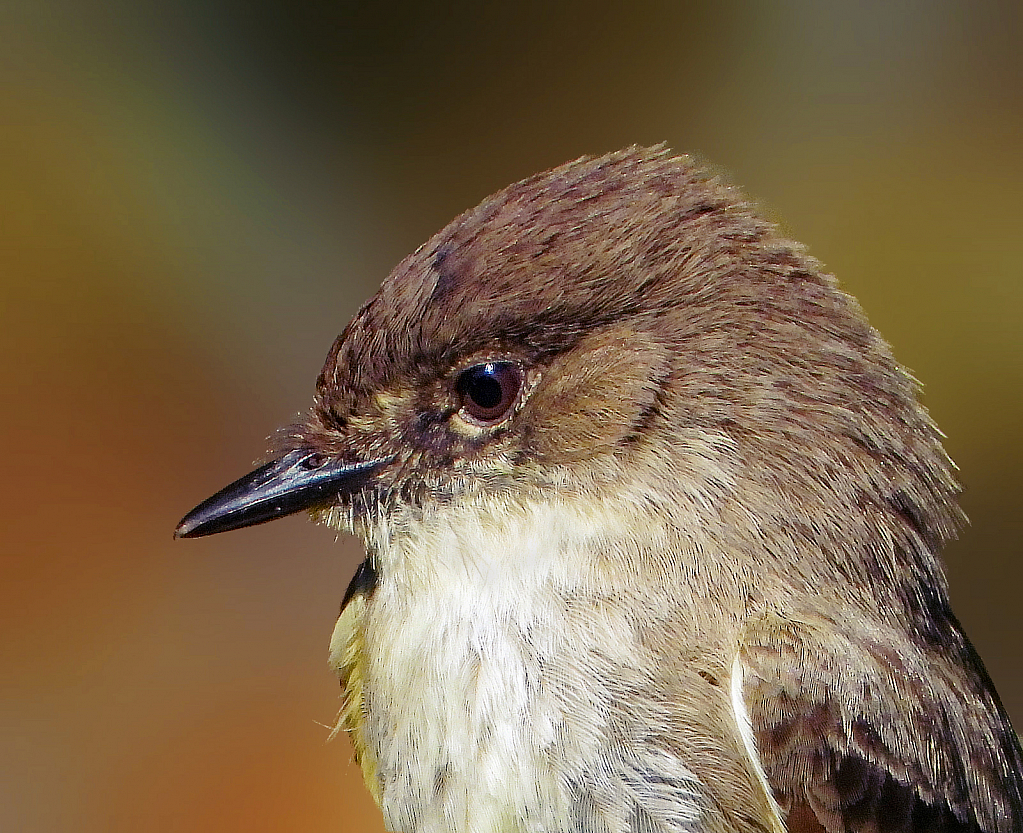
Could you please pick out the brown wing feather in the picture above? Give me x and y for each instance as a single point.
(862, 729)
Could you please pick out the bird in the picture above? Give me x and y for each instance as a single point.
(653, 522)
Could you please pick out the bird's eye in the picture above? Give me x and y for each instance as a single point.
(489, 391)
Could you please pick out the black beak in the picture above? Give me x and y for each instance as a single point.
(299, 480)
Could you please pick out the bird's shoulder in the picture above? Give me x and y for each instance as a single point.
(861, 727)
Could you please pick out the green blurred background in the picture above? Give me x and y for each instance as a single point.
(197, 196)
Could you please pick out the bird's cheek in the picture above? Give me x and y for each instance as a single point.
(596, 396)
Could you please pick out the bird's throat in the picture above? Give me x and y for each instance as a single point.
(445, 667)
(457, 716)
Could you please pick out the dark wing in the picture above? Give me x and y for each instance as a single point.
(863, 729)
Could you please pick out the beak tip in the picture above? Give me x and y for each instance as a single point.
(184, 529)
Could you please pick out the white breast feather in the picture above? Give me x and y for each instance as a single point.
(469, 725)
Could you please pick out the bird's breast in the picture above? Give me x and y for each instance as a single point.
(458, 715)
(483, 688)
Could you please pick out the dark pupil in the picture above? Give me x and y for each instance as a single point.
(484, 389)
(489, 390)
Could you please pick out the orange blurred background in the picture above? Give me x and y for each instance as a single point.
(197, 196)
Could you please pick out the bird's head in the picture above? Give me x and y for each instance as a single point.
(619, 326)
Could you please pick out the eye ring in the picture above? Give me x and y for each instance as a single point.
(489, 391)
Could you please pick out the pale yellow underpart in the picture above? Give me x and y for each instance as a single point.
(470, 694)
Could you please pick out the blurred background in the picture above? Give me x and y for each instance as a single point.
(198, 195)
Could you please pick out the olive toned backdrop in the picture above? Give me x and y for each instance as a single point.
(196, 197)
